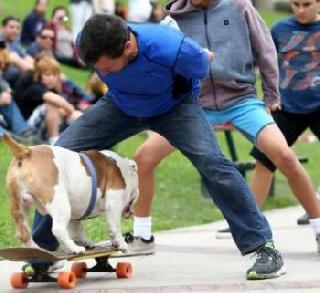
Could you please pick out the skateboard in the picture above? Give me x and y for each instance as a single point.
(66, 280)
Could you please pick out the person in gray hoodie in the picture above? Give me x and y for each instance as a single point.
(239, 38)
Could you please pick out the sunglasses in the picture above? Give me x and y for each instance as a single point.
(44, 37)
(63, 18)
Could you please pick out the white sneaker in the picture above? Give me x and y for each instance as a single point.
(318, 242)
(57, 265)
(137, 246)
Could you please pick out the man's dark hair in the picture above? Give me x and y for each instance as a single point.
(7, 19)
(103, 35)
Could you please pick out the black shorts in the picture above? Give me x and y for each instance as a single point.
(292, 126)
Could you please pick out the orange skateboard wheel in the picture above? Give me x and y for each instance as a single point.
(67, 280)
(19, 280)
(124, 270)
(79, 268)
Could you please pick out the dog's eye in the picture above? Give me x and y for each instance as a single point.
(19, 163)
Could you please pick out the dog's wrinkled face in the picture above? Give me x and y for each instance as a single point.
(133, 185)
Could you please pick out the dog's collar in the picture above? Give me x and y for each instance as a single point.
(92, 171)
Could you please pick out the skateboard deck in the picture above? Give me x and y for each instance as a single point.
(66, 280)
(31, 253)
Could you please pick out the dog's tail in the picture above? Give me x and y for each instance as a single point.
(18, 150)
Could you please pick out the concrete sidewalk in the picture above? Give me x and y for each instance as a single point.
(193, 260)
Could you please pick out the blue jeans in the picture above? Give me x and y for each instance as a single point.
(186, 127)
(13, 118)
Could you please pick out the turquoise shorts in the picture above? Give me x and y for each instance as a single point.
(249, 117)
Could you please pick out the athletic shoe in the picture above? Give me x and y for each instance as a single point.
(303, 219)
(137, 246)
(318, 242)
(57, 265)
(224, 233)
(269, 264)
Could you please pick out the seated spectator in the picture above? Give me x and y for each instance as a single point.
(34, 22)
(81, 11)
(63, 44)
(139, 10)
(96, 87)
(104, 6)
(121, 10)
(11, 117)
(76, 96)
(157, 12)
(20, 60)
(42, 44)
(39, 98)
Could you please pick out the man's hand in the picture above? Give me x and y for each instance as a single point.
(5, 98)
(210, 54)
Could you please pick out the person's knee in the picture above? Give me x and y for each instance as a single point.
(146, 158)
(287, 161)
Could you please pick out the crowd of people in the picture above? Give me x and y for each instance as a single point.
(155, 85)
(38, 101)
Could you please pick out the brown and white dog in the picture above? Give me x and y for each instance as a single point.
(60, 184)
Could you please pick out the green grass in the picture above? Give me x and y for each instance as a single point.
(178, 201)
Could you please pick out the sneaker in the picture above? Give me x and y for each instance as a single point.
(27, 137)
(303, 219)
(224, 233)
(269, 264)
(57, 265)
(137, 246)
(318, 242)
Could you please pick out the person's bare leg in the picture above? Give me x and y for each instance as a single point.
(261, 181)
(53, 120)
(148, 156)
(272, 142)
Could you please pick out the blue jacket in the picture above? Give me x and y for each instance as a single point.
(167, 69)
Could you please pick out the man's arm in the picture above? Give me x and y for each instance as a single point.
(193, 60)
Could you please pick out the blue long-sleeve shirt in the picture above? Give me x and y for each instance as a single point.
(167, 69)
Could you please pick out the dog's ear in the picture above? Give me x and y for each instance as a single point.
(18, 150)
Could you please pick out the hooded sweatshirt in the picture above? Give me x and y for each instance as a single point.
(240, 39)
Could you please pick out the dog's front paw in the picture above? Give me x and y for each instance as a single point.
(121, 245)
(86, 243)
(32, 244)
(78, 249)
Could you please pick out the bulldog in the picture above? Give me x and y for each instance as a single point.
(62, 185)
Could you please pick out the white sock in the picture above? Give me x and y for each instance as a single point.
(52, 140)
(142, 227)
(315, 224)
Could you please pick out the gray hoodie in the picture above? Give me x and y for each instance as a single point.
(239, 38)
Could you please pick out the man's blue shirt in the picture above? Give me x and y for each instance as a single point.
(167, 69)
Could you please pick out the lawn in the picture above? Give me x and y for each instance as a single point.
(178, 201)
